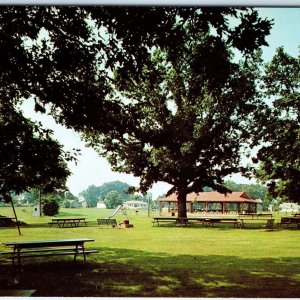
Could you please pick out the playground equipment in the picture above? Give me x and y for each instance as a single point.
(117, 209)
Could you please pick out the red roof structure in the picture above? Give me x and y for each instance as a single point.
(237, 198)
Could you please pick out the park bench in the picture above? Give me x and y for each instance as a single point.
(107, 222)
(27, 249)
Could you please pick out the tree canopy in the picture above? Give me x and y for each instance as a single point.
(154, 89)
(113, 199)
(185, 115)
(94, 193)
(278, 159)
(29, 156)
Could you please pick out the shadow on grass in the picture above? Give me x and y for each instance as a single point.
(133, 273)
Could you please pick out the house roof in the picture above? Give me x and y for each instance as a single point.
(233, 197)
(135, 202)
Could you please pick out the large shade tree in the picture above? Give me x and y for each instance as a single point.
(186, 115)
(157, 87)
(278, 160)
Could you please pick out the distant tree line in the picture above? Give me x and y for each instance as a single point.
(116, 192)
(112, 193)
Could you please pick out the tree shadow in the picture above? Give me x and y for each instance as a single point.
(133, 273)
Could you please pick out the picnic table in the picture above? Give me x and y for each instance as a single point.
(257, 219)
(68, 222)
(289, 221)
(210, 221)
(7, 221)
(26, 249)
(205, 221)
(157, 220)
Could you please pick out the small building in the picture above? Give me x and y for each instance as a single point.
(135, 204)
(101, 204)
(82, 202)
(289, 207)
(36, 210)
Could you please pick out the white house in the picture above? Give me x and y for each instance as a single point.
(135, 204)
(101, 204)
(82, 202)
(289, 207)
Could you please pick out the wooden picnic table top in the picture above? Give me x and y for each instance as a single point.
(17, 293)
(66, 222)
(47, 243)
(256, 215)
(291, 218)
(68, 219)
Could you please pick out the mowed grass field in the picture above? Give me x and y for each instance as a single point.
(151, 261)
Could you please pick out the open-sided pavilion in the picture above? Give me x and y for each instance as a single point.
(207, 202)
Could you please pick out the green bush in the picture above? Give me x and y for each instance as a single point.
(50, 207)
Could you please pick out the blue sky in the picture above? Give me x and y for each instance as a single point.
(92, 169)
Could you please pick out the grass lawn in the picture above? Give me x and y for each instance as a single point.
(150, 261)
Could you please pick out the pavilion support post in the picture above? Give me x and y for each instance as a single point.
(223, 208)
(160, 207)
(206, 207)
(169, 207)
(191, 207)
(240, 209)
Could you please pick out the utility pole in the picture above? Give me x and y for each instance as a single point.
(148, 206)
(40, 202)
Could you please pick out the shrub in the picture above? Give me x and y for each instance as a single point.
(50, 207)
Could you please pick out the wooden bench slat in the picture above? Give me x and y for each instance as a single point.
(41, 250)
(55, 254)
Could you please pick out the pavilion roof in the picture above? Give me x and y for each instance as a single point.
(233, 197)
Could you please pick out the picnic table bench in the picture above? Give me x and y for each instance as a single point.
(68, 222)
(26, 249)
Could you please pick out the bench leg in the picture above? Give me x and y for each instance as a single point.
(76, 251)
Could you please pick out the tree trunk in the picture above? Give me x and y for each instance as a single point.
(182, 204)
